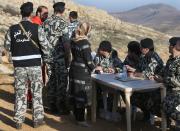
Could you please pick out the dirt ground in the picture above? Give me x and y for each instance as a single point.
(58, 123)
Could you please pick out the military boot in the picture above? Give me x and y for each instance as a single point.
(18, 126)
(38, 123)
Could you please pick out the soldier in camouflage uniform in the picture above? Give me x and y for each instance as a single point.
(150, 64)
(56, 29)
(171, 79)
(106, 61)
(107, 58)
(26, 42)
(73, 15)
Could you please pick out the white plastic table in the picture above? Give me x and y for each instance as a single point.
(128, 88)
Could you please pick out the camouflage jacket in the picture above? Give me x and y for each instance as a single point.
(150, 66)
(72, 27)
(110, 62)
(56, 29)
(172, 74)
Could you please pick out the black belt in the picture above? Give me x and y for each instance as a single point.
(79, 64)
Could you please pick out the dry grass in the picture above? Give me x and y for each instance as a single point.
(104, 26)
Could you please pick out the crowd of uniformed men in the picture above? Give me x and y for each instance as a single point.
(61, 49)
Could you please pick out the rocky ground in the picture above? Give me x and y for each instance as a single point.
(58, 123)
(104, 26)
(55, 122)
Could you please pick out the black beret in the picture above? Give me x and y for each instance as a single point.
(73, 14)
(105, 46)
(59, 5)
(133, 46)
(174, 40)
(27, 6)
(147, 43)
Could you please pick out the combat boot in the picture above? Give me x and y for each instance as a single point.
(38, 123)
(18, 126)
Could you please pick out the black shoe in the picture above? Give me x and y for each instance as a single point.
(38, 123)
(18, 126)
(83, 124)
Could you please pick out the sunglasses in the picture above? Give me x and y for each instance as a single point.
(45, 13)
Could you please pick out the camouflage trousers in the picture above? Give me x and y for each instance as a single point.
(57, 85)
(148, 102)
(171, 105)
(22, 75)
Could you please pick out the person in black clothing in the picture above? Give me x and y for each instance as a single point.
(134, 54)
(80, 73)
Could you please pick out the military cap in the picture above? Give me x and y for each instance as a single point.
(133, 46)
(28, 6)
(105, 46)
(147, 43)
(73, 14)
(59, 5)
(174, 40)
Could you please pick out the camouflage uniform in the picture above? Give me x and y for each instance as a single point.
(111, 62)
(72, 27)
(22, 75)
(56, 29)
(149, 67)
(171, 104)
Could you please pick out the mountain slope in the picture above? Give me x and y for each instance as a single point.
(104, 26)
(162, 17)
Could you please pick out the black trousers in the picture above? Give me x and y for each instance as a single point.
(79, 114)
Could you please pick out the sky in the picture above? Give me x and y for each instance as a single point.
(124, 5)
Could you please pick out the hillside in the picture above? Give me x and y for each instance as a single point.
(104, 26)
(162, 17)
